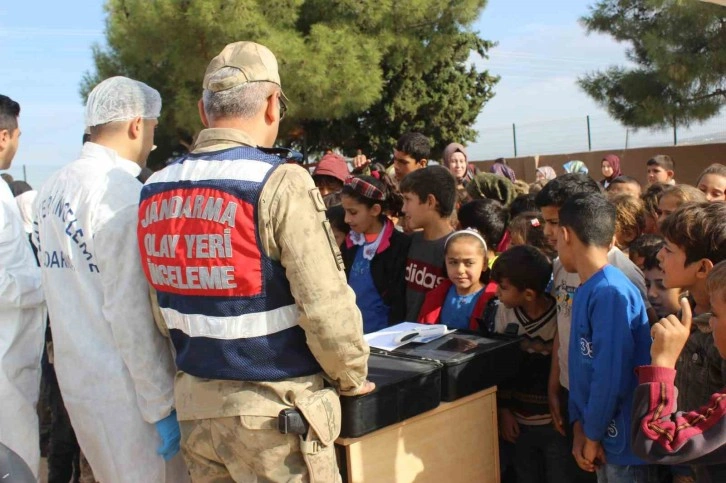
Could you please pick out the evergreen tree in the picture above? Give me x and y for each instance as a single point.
(358, 72)
(678, 49)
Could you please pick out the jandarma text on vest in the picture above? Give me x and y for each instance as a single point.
(195, 206)
(197, 278)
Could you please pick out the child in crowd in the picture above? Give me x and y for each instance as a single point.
(650, 201)
(374, 253)
(459, 302)
(610, 338)
(629, 221)
(522, 204)
(610, 167)
(394, 204)
(668, 433)
(336, 218)
(624, 185)
(645, 250)
(645, 246)
(454, 218)
(330, 173)
(695, 241)
(528, 229)
(428, 201)
(331, 199)
(541, 453)
(712, 181)
(489, 218)
(411, 153)
(462, 198)
(661, 169)
(550, 199)
(674, 197)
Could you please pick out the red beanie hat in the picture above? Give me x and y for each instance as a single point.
(332, 165)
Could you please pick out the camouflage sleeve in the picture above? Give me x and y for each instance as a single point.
(294, 230)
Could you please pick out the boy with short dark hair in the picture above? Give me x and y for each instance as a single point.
(330, 174)
(645, 247)
(411, 153)
(661, 169)
(695, 237)
(610, 337)
(522, 274)
(668, 433)
(624, 185)
(490, 219)
(644, 253)
(550, 199)
(429, 196)
(663, 299)
(523, 204)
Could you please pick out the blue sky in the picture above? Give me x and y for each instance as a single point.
(46, 49)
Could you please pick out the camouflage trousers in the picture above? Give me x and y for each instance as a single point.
(241, 449)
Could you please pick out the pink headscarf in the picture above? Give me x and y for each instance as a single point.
(548, 172)
(614, 162)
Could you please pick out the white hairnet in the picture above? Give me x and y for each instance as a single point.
(121, 99)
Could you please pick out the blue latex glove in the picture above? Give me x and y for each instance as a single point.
(168, 429)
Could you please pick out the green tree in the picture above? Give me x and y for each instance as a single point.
(441, 101)
(358, 72)
(678, 55)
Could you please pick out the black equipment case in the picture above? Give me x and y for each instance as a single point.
(471, 362)
(405, 387)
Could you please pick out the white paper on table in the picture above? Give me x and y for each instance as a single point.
(389, 338)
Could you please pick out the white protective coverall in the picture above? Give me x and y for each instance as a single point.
(114, 368)
(22, 334)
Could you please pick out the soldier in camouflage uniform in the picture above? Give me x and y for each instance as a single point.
(250, 283)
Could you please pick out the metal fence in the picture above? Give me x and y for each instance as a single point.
(586, 133)
(554, 136)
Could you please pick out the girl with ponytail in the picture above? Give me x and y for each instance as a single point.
(374, 252)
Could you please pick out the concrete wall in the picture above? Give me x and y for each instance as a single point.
(690, 161)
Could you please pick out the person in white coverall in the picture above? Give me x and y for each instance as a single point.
(22, 312)
(114, 368)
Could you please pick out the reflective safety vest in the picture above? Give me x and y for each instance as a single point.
(228, 306)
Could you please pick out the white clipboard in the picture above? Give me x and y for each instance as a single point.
(400, 334)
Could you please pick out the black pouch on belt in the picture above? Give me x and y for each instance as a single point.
(316, 419)
(291, 421)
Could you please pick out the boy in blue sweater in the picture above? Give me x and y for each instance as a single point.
(610, 337)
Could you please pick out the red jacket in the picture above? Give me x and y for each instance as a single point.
(431, 309)
(665, 434)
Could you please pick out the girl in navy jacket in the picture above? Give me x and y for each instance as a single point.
(375, 252)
